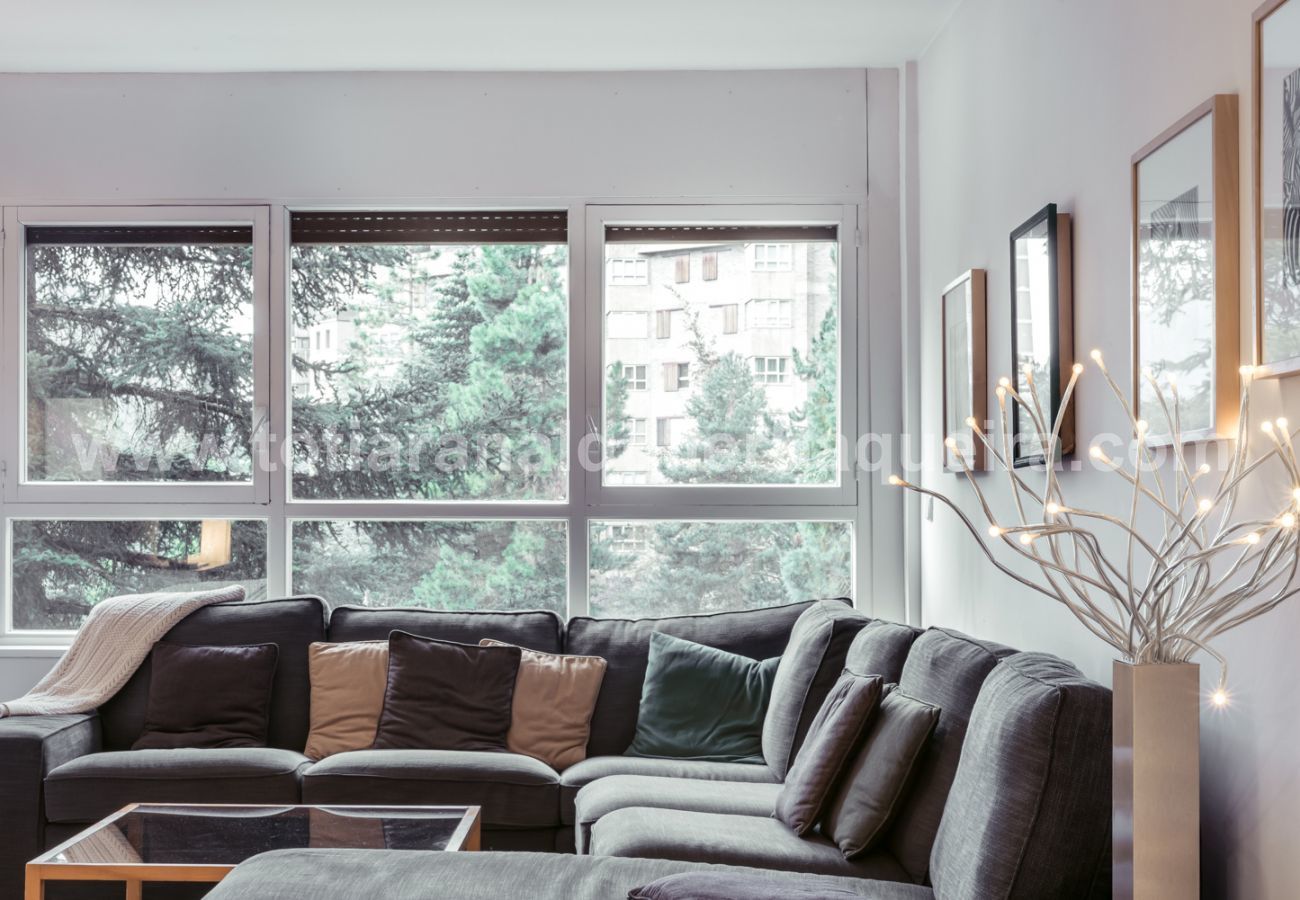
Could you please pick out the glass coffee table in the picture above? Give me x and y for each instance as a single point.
(147, 842)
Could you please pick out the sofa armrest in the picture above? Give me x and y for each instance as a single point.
(30, 747)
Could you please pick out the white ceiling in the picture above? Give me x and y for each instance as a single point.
(310, 35)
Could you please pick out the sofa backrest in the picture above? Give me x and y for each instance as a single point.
(945, 668)
(292, 623)
(540, 630)
(1029, 811)
(625, 645)
(809, 667)
(881, 648)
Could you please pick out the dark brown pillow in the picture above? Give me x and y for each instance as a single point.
(446, 696)
(832, 737)
(208, 697)
(868, 795)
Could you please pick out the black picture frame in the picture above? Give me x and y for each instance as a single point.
(1059, 308)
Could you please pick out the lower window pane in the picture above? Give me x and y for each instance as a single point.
(62, 568)
(654, 568)
(438, 565)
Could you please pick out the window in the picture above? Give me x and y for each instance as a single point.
(636, 377)
(677, 376)
(710, 265)
(770, 314)
(627, 325)
(770, 369)
(636, 432)
(698, 567)
(664, 432)
(682, 268)
(629, 271)
(772, 257)
(730, 318)
(663, 323)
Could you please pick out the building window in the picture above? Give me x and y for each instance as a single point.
(663, 323)
(682, 268)
(770, 314)
(730, 318)
(773, 257)
(635, 377)
(770, 369)
(664, 432)
(627, 325)
(677, 376)
(710, 266)
(628, 271)
(636, 434)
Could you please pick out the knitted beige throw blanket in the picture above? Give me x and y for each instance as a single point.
(115, 639)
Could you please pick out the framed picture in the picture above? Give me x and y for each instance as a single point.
(1186, 273)
(1042, 329)
(1276, 98)
(965, 365)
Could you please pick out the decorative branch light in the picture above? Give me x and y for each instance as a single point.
(1172, 593)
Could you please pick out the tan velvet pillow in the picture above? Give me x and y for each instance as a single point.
(347, 695)
(555, 697)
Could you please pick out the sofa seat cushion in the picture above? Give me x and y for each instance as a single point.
(753, 841)
(405, 875)
(91, 787)
(514, 791)
(587, 771)
(602, 797)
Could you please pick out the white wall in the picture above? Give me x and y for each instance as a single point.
(448, 138)
(1025, 102)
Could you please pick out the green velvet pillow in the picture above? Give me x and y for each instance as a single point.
(699, 702)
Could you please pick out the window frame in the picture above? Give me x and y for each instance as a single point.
(843, 493)
(13, 401)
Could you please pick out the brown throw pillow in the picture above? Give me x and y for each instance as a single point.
(554, 698)
(208, 697)
(347, 695)
(832, 737)
(446, 696)
(869, 793)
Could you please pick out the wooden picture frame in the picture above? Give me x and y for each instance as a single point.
(1042, 280)
(1186, 272)
(965, 357)
(1275, 102)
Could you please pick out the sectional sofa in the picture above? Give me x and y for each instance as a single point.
(1020, 810)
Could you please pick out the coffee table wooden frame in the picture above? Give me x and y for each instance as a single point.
(467, 836)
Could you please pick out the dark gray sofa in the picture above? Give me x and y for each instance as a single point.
(61, 773)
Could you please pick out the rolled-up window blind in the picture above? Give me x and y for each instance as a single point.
(137, 235)
(676, 234)
(495, 227)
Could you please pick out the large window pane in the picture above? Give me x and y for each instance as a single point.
(430, 371)
(139, 353)
(740, 340)
(62, 568)
(438, 565)
(651, 568)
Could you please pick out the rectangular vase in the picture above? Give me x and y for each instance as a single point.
(1156, 789)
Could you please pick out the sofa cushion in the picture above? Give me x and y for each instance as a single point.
(347, 695)
(1029, 812)
(292, 624)
(881, 648)
(592, 768)
(605, 795)
(515, 791)
(625, 645)
(397, 875)
(731, 886)
(810, 665)
(231, 709)
(446, 696)
(90, 787)
(832, 739)
(945, 669)
(700, 702)
(537, 630)
(759, 842)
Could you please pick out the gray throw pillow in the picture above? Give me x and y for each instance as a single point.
(870, 791)
(833, 736)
